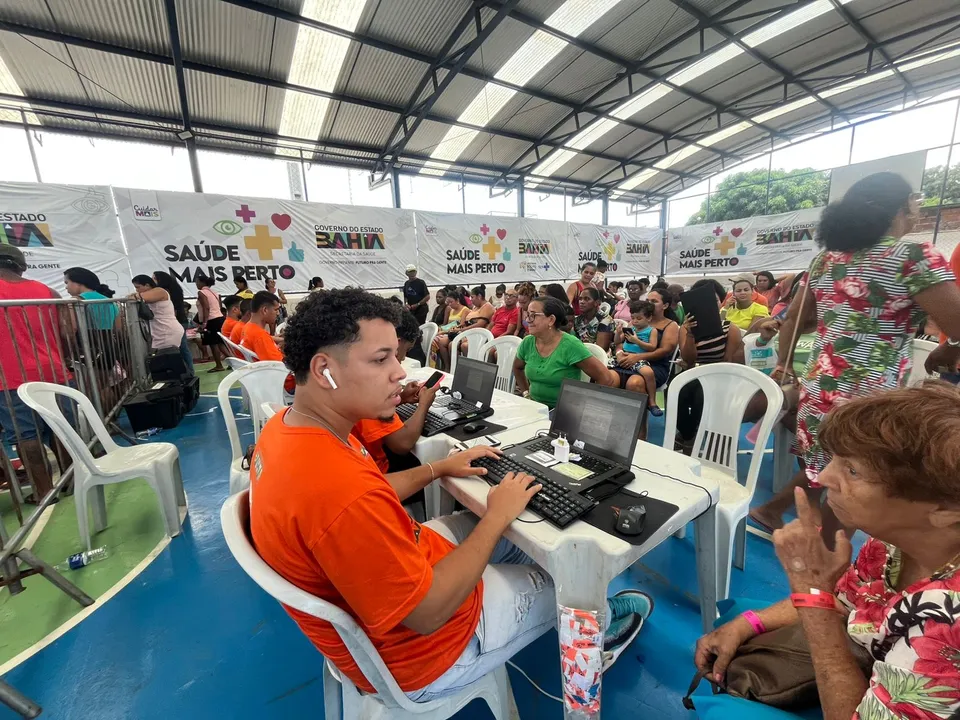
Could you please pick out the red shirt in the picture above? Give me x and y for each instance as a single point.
(503, 318)
(337, 530)
(35, 340)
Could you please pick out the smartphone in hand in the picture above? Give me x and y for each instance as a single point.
(434, 379)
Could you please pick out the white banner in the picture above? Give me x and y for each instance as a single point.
(629, 252)
(63, 226)
(769, 242)
(265, 238)
(474, 249)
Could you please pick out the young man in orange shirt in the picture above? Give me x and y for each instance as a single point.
(236, 335)
(264, 309)
(232, 306)
(326, 519)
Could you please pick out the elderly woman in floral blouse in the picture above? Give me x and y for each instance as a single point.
(895, 474)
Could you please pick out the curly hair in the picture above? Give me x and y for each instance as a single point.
(908, 437)
(408, 328)
(330, 319)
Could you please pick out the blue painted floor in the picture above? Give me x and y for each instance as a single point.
(193, 637)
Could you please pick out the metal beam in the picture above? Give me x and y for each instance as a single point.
(812, 71)
(417, 109)
(173, 28)
(872, 43)
(691, 9)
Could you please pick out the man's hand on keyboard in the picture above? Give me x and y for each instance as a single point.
(458, 464)
(508, 499)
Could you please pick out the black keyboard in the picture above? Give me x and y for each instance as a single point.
(554, 503)
(452, 405)
(432, 425)
(587, 462)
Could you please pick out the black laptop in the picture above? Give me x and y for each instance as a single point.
(601, 425)
(470, 398)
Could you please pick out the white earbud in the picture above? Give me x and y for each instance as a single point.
(329, 377)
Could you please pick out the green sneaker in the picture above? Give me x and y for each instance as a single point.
(630, 609)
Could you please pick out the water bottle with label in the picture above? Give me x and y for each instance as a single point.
(82, 559)
(144, 434)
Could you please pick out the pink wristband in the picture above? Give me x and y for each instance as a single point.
(755, 622)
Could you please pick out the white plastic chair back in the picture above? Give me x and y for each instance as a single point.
(235, 521)
(599, 353)
(428, 331)
(727, 389)
(249, 356)
(759, 357)
(921, 350)
(42, 397)
(506, 347)
(478, 337)
(261, 382)
(236, 363)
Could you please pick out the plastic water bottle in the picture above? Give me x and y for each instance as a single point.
(82, 559)
(144, 434)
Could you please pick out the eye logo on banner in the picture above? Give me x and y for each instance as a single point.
(491, 257)
(257, 238)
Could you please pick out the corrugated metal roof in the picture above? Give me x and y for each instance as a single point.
(223, 35)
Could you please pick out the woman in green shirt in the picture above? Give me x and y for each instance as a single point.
(547, 356)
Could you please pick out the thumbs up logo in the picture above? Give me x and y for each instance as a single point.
(295, 254)
(741, 249)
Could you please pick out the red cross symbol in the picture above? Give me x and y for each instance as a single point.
(245, 213)
(606, 233)
(484, 228)
(717, 231)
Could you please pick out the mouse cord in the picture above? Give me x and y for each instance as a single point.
(685, 482)
(530, 680)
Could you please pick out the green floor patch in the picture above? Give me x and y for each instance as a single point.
(134, 527)
(209, 382)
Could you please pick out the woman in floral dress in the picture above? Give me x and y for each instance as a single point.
(865, 295)
(893, 474)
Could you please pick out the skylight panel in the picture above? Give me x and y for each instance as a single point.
(317, 59)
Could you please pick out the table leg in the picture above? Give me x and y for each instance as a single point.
(705, 531)
(581, 576)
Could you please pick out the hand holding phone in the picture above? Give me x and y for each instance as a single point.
(434, 379)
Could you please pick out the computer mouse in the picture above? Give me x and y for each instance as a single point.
(474, 427)
(630, 520)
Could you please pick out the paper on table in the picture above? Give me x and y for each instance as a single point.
(572, 471)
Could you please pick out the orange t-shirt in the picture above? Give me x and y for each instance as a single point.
(372, 432)
(258, 340)
(337, 530)
(236, 335)
(228, 326)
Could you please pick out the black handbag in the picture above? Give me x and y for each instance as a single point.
(144, 312)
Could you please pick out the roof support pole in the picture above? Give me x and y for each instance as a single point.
(187, 134)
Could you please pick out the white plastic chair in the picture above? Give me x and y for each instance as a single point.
(759, 357)
(428, 331)
(599, 353)
(157, 463)
(727, 389)
(341, 698)
(921, 351)
(262, 382)
(506, 347)
(479, 338)
(248, 355)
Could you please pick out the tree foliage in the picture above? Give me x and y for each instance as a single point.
(744, 194)
(933, 181)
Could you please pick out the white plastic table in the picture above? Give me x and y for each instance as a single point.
(581, 559)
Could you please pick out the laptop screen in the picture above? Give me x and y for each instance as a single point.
(475, 380)
(607, 420)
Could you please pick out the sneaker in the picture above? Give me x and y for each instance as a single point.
(630, 610)
(656, 411)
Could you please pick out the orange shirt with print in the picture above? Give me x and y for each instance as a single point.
(372, 432)
(336, 529)
(228, 326)
(257, 340)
